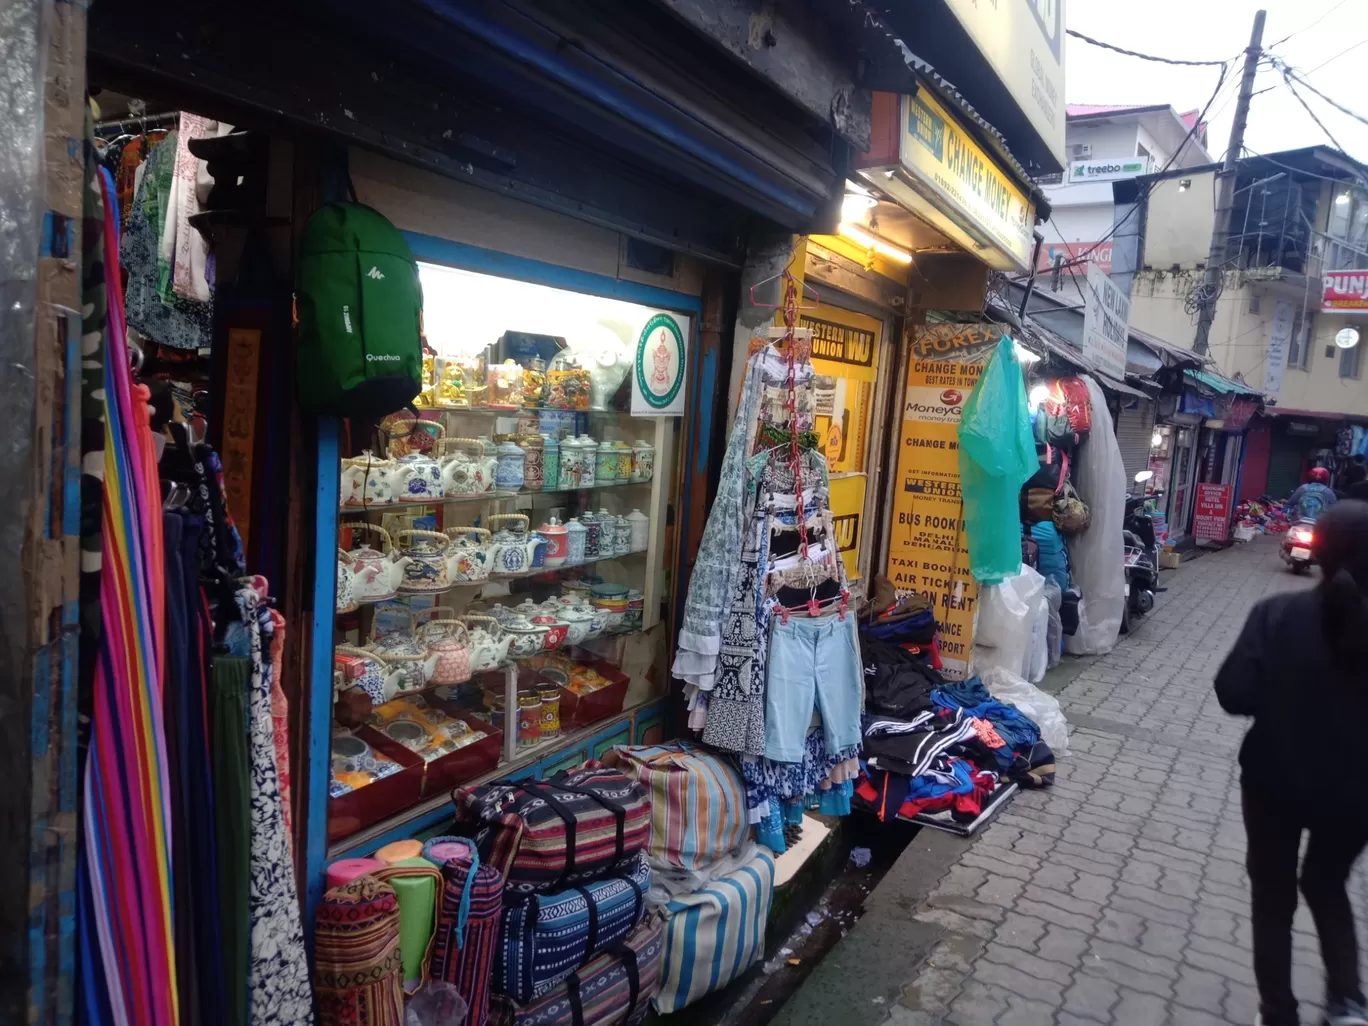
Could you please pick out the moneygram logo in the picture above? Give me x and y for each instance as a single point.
(933, 405)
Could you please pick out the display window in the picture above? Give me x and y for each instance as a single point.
(504, 548)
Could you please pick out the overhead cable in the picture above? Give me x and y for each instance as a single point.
(1145, 56)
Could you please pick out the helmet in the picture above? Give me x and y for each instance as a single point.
(1319, 475)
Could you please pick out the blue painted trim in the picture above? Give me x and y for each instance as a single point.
(320, 674)
(538, 272)
(522, 49)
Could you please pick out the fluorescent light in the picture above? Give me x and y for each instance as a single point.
(859, 235)
(854, 206)
(1024, 356)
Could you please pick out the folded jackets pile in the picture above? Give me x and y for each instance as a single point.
(933, 745)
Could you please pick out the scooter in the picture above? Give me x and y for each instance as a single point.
(1141, 555)
(1296, 546)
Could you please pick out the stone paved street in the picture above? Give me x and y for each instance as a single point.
(1119, 895)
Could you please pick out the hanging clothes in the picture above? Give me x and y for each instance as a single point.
(278, 972)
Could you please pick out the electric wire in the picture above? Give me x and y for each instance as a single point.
(1307, 28)
(1289, 73)
(1144, 56)
(1287, 81)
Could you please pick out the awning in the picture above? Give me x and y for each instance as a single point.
(1120, 387)
(1219, 383)
(1177, 354)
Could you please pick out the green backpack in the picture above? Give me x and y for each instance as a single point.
(359, 306)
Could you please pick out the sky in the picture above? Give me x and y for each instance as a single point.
(1304, 33)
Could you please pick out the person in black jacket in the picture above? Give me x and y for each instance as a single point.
(1298, 669)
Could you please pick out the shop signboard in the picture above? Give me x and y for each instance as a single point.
(1211, 516)
(1344, 292)
(1106, 314)
(1107, 170)
(660, 366)
(1275, 356)
(1077, 256)
(928, 552)
(1023, 42)
(958, 187)
(845, 349)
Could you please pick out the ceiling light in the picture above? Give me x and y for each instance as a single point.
(854, 206)
(858, 235)
(1038, 394)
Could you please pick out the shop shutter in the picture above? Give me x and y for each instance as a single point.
(1133, 430)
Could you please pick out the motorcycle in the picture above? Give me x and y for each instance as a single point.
(1141, 555)
(1296, 546)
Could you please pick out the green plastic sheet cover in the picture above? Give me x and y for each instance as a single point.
(997, 455)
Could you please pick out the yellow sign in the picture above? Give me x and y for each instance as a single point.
(969, 195)
(928, 552)
(845, 349)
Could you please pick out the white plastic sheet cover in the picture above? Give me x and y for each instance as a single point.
(1042, 708)
(1098, 554)
(1007, 616)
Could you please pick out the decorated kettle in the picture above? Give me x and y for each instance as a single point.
(428, 568)
(488, 641)
(346, 582)
(366, 481)
(372, 673)
(468, 468)
(407, 656)
(448, 639)
(416, 478)
(470, 555)
(377, 573)
(513, 552)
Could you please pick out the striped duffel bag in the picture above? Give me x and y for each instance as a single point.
(714, 935)
(547, 835)
(546, 937)
(698, 802)
(614, 989)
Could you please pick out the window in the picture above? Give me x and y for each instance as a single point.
(1299, 345)
(1348, 224)
(1140, 150)
(1349, 362)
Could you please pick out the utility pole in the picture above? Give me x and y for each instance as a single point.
(1225, 199)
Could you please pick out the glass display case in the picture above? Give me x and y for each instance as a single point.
(503, 556)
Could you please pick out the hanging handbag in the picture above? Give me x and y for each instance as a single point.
(1071, 514)
(1039, 504)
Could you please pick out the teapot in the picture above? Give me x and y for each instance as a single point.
(408, 657)
(378, 679)
(513, 552)
(428, 569)
(469, 470)
(346, 582)
(448, 639)
(366, 481)
(557, 630)
(416, 477)
(579, 620)
(488, 641)
(527, 638)
(377, 573)
(469, 555)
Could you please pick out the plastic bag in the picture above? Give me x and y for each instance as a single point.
(1006, 621)
(1039, 659)
(439, 1004)
(1054, 634)
(1042, 708)
(997, 455)
(1098, 554)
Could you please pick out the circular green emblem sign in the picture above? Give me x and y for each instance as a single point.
(660, 361)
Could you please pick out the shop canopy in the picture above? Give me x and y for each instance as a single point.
(1219, 383)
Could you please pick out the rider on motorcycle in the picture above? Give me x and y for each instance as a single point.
(1314, 497)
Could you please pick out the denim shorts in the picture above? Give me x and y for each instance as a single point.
(812, 662)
